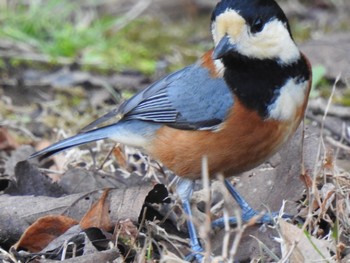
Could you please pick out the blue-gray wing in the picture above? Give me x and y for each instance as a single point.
(187, 99)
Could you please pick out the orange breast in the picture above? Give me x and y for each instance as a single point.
(244, 141)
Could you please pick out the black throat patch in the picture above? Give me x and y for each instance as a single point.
(257, 83)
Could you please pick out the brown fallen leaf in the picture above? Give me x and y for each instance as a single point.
(43, 231)
(303, 247)
(57, 161)
(307, 180)
(98, 216)
(7, 142)
(19, 212)
(126, 230)
(120, 157)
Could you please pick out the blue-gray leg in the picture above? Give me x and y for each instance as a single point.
(247, 211)
(184, 188)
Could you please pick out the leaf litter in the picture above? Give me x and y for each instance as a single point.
(127, 223)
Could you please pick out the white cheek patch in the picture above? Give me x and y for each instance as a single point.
(289, 101)
(271, 43)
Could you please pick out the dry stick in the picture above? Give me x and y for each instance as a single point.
(320, 146)
(264, 247)
(240, 230)
(41, 58)
(207, 194)
(143, 219)
(10, 256)
(340, 142)
(337, 144)
(50, 171)
(169, 238)
(14, 126)
(302, 161)
(226, 239)
(107, 156)
(322, 129)
(323, 124)
(132, 14)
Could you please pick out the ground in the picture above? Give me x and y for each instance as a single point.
(63, 64)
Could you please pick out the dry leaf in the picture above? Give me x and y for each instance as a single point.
(7, 142)
(30, 181)
(304, 248)
(120, 157)
(58, 159)
(328, 162)
(43, 231)
(328, 195)
(98, 216)
(17, 212)
(307, 180)
(126, 230)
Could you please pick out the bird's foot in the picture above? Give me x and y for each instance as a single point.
(248, 213)
(267, 218)
(184, 189)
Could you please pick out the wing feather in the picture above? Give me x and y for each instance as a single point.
(187, 99)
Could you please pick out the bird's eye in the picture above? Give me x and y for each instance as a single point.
(257, 26)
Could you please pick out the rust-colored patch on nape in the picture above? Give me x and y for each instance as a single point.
(208, 62)
(243, 142)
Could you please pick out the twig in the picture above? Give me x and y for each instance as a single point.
(35, 57)
(207, 194)
(328, 126)
(19, 128)
(107, 157)
(10, 256)
(321, 145)
(239, 233)
(50, 171)
(226, 239)
(42, 58)
(337, 144)
(266, 248)
(321, 106)
(132, 14)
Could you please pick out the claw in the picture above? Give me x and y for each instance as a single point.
(247, 211)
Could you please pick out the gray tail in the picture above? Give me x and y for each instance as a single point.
(79, 139)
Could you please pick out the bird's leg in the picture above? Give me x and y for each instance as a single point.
(184, 188)
(247, 211)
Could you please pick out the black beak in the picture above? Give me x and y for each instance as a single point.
(223, 47)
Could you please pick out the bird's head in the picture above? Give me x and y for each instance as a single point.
(254, 29)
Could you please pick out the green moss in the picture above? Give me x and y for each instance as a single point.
(54, 28)
(344, 99)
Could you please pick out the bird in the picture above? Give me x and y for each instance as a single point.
(237, 105)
